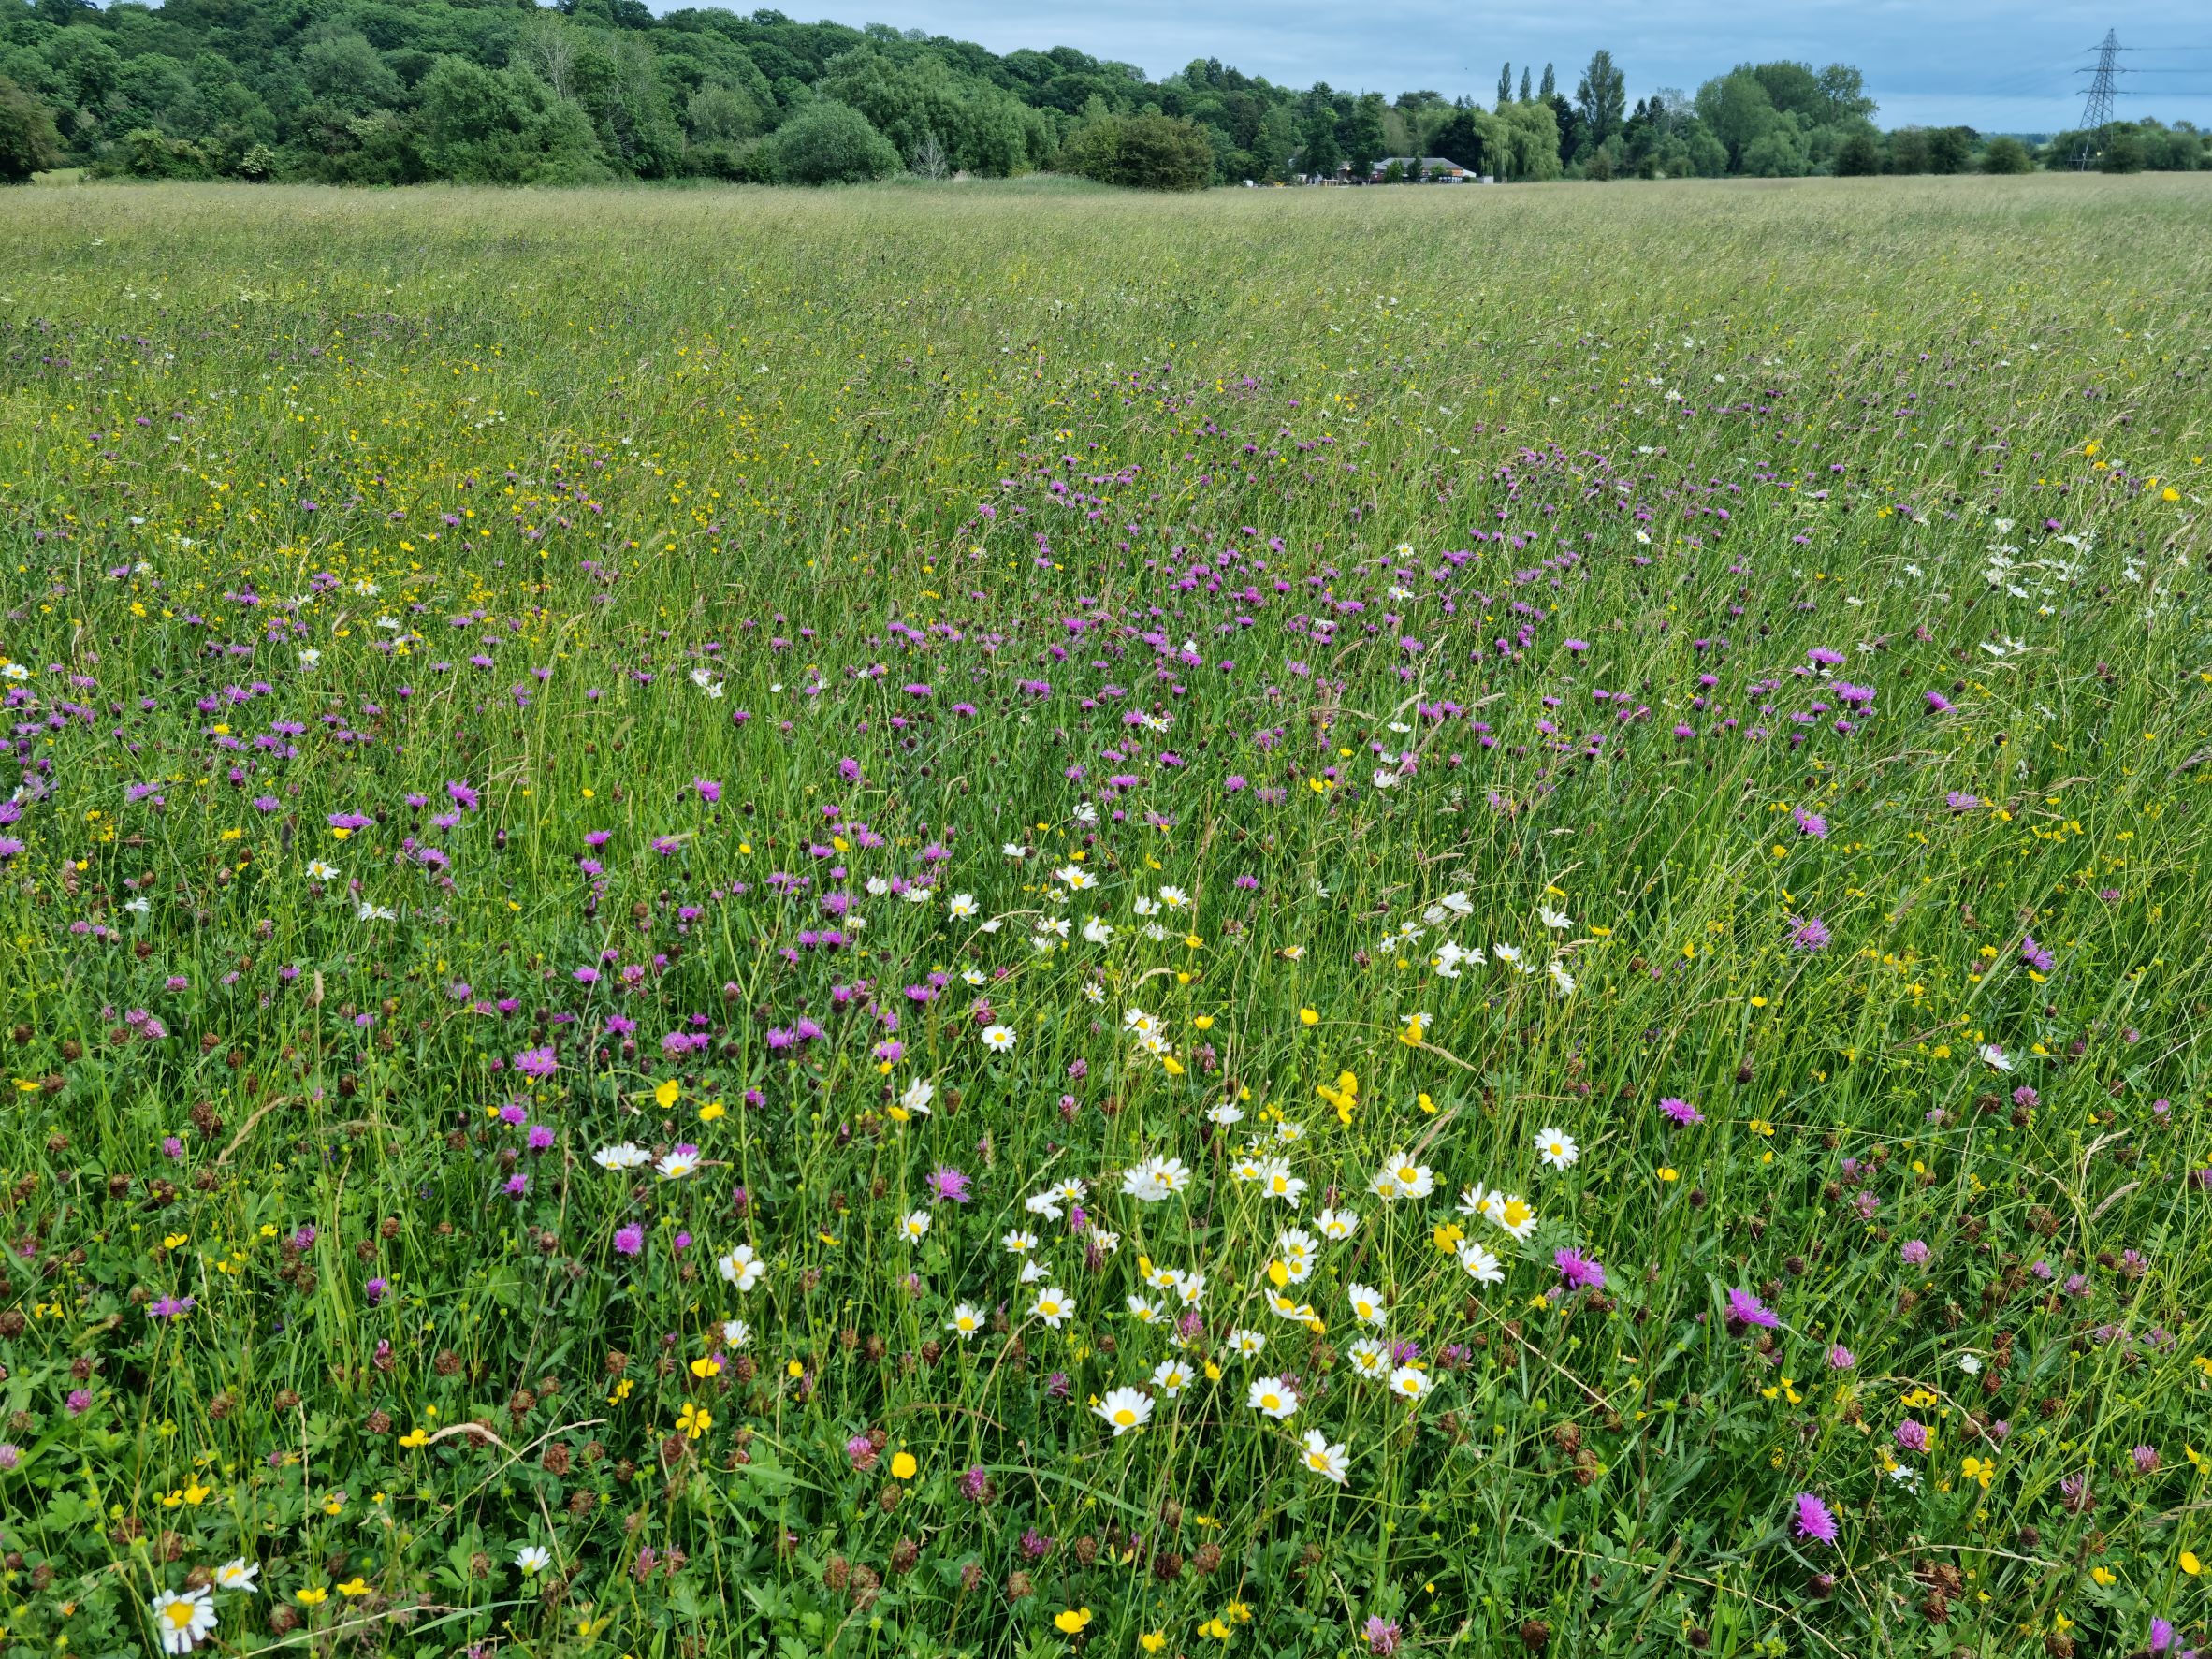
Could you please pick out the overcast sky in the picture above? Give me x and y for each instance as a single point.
(2001, 65)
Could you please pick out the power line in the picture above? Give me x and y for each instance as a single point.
(2097, 108)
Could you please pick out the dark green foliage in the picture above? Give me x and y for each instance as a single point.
(1860, 156)
(2121, 151)
(2004, 155)
(1142, 153)
(1363, 139)
(28, 143)
(353, 92)
(830, 143)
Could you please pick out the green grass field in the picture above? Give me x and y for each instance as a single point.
(1003, 920)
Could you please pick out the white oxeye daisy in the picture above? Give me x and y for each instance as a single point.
(962, 904)
(1171, 1378)
(1557, 1149)
(1482, 1267)
(239, 1575)
(1124, 1409)
(1076, 878)
(533, 1558)
(997, 1039)
(736, 1333)
(1327, 1461)
(184, 1620)
(1098, 932)
(1552, 918)
(1369, 1357)
(622, 1155)
(966, 1320)
(1247, 1343)
(1143, 1309)
(1054, 1305)
(915, 1227)
(1409, 1383)
(679, 1163)
(1272, 1397)
(1367, 1303)
(1019, 1242)
(742, 1267)
(1225, 1115)
(1337, 1225)
(916, 1095)
(1515, 1214)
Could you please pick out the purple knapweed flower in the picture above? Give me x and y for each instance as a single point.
(1814, 1518)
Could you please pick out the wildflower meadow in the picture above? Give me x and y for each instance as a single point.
(996, 920)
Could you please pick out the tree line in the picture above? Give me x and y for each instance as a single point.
(397, 91)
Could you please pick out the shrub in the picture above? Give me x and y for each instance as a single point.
(1142, 153)
(1859, 156)
(2005, 155)
(830, 143)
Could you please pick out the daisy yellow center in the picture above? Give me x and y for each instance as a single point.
(178, 1613)
(1124, 1417)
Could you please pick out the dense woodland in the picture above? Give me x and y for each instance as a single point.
(393, 92)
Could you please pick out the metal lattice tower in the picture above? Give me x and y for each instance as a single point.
(2096, 110)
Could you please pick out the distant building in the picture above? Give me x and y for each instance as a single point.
(1434, 169)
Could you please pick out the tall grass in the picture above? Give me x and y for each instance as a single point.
(496, 677)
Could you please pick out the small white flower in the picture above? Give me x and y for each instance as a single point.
(915, 1227)
(966, 1320)
(1171, 1378)
(1098, 931)
(1337, 1225)
(1124, 1409)
(678, 1163)
(742, 1268)
(241, 1574)
(1408, 1383)
(997, 1039)
(1555, 920)
(622, 1155)
(184, 1620)
(533, 1558)
(1482, 1267)
(1367, 1303)
(1327, 1461)
(737, 1333)
(319, 871)
(1272, 1397)
(1993, 1055)
(962, 904)
(916, 1095)
(1054, 1305)
(1557, 1149)
(1075, 877)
